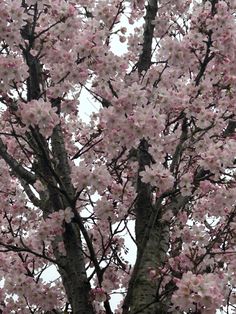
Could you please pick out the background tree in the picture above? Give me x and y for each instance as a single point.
(160, 151)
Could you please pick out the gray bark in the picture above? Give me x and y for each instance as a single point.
(152, 236)
(60, 193)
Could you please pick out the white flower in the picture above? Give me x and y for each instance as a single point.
(68, 215)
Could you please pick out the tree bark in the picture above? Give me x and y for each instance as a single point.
(152, 236)
(73, 272)
(59, 193)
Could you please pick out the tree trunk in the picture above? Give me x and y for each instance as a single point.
(145, 291)
(152, 238)
(55, 172)
(73, 272)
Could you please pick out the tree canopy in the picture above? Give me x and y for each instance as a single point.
(160, 152)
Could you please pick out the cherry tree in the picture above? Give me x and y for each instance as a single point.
(159, 152)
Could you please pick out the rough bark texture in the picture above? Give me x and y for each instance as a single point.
(146, 55)
(72, 267)
(152, 238)
(73, 272)
(152, 235)
(55, 173)
(144, 298)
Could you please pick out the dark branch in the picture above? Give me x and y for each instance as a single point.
(18, 170)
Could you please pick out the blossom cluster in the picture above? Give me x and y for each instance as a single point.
(199, 292)
(12, 70)
(179, 98)
(41, 114)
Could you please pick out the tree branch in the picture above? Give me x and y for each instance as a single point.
(18, 170)
(145, 57)
(35, 201)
